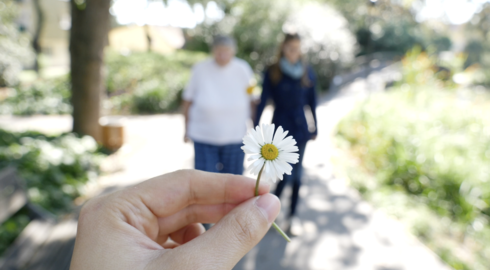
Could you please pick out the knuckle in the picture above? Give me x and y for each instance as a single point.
(191, 215)
(244, 228)
(94, 207)
(88, 210)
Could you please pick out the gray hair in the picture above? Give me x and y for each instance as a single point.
(222, 40)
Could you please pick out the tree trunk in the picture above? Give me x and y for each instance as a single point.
(37, 33)
(88, 37)
(148, 38)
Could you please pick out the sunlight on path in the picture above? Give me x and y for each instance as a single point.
(340, 230)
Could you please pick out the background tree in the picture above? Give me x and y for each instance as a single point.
(388, 26)
(14, 45)
(37, 32)
(88, 37)
(258, 27)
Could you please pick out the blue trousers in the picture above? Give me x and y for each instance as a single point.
(294, 179)
(219, 158)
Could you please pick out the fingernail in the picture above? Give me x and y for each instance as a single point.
(269, 206)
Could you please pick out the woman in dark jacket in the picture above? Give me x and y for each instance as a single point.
(290, 83)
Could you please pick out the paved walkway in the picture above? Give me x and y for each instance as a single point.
(340, 230)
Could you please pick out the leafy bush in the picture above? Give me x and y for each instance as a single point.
(433, 147)
(258, 29)
(44, 96)
(15, 51)
(11, 228)
(136, 83)
(326, 38)
(153, 99)
(148, 82)
(53, 167)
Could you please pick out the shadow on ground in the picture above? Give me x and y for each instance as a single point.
(324, 215)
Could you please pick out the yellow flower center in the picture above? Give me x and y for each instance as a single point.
(269, 151)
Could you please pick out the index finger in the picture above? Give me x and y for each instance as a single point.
(167, 194)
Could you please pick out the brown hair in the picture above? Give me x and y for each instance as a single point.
(275, 71)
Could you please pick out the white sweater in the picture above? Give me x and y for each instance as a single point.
(220, 104)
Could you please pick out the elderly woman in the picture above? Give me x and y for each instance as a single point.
(217, 107)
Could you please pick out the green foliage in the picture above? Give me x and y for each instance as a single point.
(53, 167)
(44, 96)
(423, 153)
(256, 25)
(388, 26)
(433, 147)
(426, 143)
(148, 82)
(442, 43)
(11, 228)
(422, 69)
(258, 28)
(326, 38)
(14, 45)
(137, 83)
(154, 99)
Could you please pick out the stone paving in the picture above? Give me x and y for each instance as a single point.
(340, 230)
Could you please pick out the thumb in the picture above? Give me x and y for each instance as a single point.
(233, 236)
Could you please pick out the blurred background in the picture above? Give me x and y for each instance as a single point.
(399, 177)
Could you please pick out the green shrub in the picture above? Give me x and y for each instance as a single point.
(432, 147)
(11, 228)
(421, 68)
(44, 96)
(155, 98)
(55, 168)
(147, 82)
(141, 82)
(15, 49)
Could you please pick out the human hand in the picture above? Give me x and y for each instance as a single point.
(156, 224)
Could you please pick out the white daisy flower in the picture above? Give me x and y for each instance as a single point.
(271, 153)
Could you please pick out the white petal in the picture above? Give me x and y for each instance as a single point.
(268, 131)
(256, 166)
(250, 140)
(289, 149)
(292, 158)
(277, 169)
(257, 134)
(284, 166)
(288, 141)
(268, 172)
(279, 136)
(253, 157)
(248, 151)
(288, 155)
(251, 148)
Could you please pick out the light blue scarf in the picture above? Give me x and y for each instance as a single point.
(294, 70)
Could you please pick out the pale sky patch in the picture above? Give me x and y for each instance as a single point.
(177, 13)
(451, 11)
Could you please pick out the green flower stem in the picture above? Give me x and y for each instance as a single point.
(281, 232)
(258, 181)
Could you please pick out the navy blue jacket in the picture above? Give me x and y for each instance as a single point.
(290, 97)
